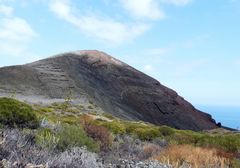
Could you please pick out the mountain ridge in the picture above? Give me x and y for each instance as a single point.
(113, 85)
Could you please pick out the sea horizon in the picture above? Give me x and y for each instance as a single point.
(228, 116)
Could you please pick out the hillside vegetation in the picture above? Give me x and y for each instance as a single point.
(14, 113)
(63, 127)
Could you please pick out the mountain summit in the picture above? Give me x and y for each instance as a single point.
(113, 85)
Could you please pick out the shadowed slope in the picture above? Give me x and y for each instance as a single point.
(115, 86)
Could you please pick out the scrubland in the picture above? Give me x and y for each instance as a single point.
(61, 134)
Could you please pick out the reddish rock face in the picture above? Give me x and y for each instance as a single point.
(115, 86)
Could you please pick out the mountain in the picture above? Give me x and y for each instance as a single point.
(114, 86)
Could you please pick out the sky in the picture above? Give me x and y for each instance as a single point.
(191, 46)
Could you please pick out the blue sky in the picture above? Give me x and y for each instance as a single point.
(192, 46)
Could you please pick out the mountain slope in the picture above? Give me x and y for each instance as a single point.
(113, 85)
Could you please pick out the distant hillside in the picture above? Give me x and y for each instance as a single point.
(116, 87)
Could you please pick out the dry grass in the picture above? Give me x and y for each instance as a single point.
(150, 150)
(86, 119)
(196, 157)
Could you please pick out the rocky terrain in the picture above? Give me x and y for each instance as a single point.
(20, 151)
(79, 136)
(117, 88)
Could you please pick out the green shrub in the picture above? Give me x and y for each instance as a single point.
(109, 116)
(131, 126)
(147, 133)
(72, 110)
(142, 131)
(90, 107)
(59, 106)
(235, 163)
(72, 136)
(46, 138)
(43, 110)
(69, 119)
(230, 143)
(185, 137)
(80, 106)
(46, 110)
(116, 127)
(15, 113)
(166, 131)
(66, 137)
(226, 142)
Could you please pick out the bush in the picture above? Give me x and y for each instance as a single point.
(90, 107)
(69, 119)
(109, 116)
(68, 136)
(15, 113)
(46, 138)
(44, 110)
(230, 143)
(74, 136)
(59, 106)
(115, 127)
(97, 132)
(130, 127)
(100, 134)
(147, 133)
(235, 163)
(166, 131)
(185, 137)
(227, 142)
(143, 131)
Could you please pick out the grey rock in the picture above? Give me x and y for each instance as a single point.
(140, 164)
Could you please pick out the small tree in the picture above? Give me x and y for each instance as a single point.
(13, 94)
(68, 98)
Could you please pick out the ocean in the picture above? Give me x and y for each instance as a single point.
(228, 116)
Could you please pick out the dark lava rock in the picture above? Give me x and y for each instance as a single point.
(115, 86)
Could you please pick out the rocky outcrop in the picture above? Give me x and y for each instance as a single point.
(115, 86)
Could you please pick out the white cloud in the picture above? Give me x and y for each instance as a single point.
(108, 29)
(15, 34)
(177, 2)
(150, 9)
(6, 10)
(148, 68)
(103, 28)
(16, 29)
(147, 9)
(3, 1)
